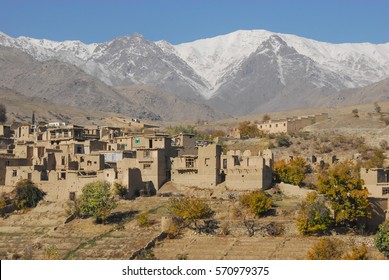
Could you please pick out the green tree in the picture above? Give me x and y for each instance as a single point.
(190, 210)
(257, 202)
(344, 189)
(97, 200)
(313, 216)
(290, 173)
(382, 238)
(27, 194)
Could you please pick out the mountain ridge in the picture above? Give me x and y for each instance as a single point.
(203, 70)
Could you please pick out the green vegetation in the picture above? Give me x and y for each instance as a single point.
(292, 172)
(382, 238)
(144, 220)
(27, 194)
(97, 200)
(257, 202)
(283, 140)
(189, 210)
(313, 216)
(344, 189)
(120, 190)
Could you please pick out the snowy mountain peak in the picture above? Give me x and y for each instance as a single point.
(227, 66)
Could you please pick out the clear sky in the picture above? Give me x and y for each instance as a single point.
(179, 21)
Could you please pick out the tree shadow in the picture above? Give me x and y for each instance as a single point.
(119, 217)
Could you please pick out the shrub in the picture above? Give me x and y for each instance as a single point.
(97, 200)
(27, 194)
(143, 219)
(326, 249)
(120, 190)
(313, 216)
(257, 202)
(248, 130)
(73, 208)
(382, 238)
(51, 253)
(334, 249)
(357, 253)
(283, 141)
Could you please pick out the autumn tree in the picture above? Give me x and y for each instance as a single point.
(97, 200)
(257, 202)
(189, 210)
(313, 215)
(344, 189)
(247, 129)
(3, 113)
(290, 173)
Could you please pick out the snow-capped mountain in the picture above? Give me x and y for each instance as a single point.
(241, 72)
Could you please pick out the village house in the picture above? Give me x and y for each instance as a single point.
(290, 125)
(61, 159)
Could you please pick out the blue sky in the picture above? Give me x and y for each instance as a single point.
(177, 21)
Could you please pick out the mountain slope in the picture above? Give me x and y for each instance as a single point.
(65, 84)
(169, 106)
(243, 72)
(62, 83)
(375, 92)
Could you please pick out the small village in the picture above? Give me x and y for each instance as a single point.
(148, 163)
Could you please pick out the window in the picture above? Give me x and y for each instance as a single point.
(89, 163)
(385, 190)
(63, 160)
(81, 159)
(14, 173)
(225, 163)
(72, 196)
(137, 140)
(147, 166)
(189, 162)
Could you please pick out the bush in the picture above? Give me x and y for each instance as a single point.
(120, 190)
(382, 238)
(73, 208)
(283, 141)
(326, 249)
(143, 219)
(97, 200)
(313, 216)
(334, 249)
(257, 202)
(27, 194)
